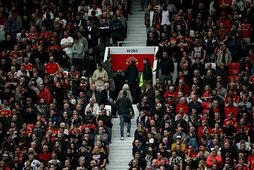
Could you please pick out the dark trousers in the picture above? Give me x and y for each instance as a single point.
(78, 62)
(124, 118)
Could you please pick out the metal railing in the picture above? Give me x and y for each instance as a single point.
(119, 43)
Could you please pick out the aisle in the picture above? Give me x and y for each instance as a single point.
(121, 151)
(136, 35)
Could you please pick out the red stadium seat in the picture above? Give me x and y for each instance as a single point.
(233, 72)
(234, 66)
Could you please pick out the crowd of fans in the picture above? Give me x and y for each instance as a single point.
(53, 83)
(54, 86)
(203, 118)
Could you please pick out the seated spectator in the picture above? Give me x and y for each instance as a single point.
(92, 107)
(100, 77)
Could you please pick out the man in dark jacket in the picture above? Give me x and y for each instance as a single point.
(165, 67)
(147, 73)
(119, 82)
(131, 76)
(116, 28)
(124, 106)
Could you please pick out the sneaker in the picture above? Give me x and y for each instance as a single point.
(128, 135)
(121, 138)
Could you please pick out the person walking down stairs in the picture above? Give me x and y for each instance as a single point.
(126, 113)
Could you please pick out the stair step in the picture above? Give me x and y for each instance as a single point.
(120, 153)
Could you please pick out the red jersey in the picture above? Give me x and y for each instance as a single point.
(28, 67)
(45, 35)
(251, 161)
(53, 131)
(29, 129)
(245, 28)
(226, 22)
(16, 54)
(51, 68)
(232, 110)
(55, 46)
(185, 107)
(5, 112)
(234, 122)
(32, 36)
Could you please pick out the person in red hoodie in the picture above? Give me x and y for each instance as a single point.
(241, 165)
(214, 158)
(170, 92)
(51, 67)
(183, 87)
(45, 94)
(182, 104)
(230, 108)
(251, 159)
(45, 156)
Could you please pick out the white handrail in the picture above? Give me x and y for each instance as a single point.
(124, 42)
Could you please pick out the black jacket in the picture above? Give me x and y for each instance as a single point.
(166, 66)
(124, 106)
(131, 74)
(147, 72)
(104, 96)
(97, 95)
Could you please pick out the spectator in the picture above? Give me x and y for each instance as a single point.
(117, 29)
(151, 17)
(78, 53)
(131, 77)
(125, 111)
(165, 67)
(45, 88)
(66, 44)
(100, 76)
(147, 73)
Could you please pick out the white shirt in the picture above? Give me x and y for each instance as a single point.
(151, 18)
(65, 41)
(239, 4)
(95, 108)
(98, 12)
(165, 18)
(34, 164)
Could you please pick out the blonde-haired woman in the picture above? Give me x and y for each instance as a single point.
(202, 165)
(127, 89)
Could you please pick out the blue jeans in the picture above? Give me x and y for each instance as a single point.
(123, 118)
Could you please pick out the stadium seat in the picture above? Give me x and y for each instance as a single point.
(233, 72)
(234, 66)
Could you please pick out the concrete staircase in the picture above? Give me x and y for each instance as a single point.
(120, 153)
(136, 35)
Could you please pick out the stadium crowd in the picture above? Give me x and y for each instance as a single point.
(54, 84)
(204, 117)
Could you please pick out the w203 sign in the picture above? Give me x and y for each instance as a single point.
(122, 56)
